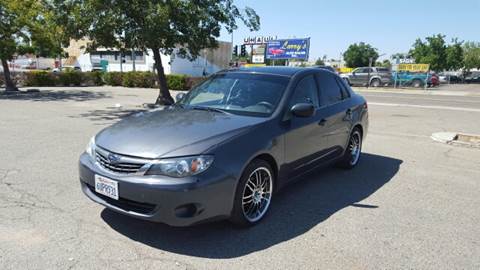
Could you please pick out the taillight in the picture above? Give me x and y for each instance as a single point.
(365, 105)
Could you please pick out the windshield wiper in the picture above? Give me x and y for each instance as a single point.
(210, 109)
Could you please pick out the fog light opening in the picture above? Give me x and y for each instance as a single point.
(188, 210)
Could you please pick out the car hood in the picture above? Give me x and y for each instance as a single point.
(172, 132)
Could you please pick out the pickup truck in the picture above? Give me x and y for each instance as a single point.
(407, 78)
(379, 76)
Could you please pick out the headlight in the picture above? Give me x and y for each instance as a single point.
(90, 150)
(180, 167)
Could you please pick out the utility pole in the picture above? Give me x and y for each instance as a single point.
(134, 54)
(251, 54)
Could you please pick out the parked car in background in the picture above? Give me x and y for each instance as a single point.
(226, 146)
(449, 78)
(66, 69)
(472, 77)
(360, 76)
(414, 79)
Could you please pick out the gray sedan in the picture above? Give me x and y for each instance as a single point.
(224, 148)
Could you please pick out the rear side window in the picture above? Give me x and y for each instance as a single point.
(306, 92)
(329, 89)
(383, 70)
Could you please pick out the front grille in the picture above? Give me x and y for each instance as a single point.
(118, 167)
(125, 204)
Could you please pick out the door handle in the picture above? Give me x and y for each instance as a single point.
(322, 122)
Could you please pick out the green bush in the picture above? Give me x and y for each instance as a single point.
(177, 82)
(93, 78)
(139, 79)
(40, 78)
(113, 78)
(68, 78)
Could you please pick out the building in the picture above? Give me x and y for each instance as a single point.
(209, 61)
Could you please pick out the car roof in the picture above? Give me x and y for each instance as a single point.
(283, 71)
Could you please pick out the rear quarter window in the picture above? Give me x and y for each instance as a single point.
(385, 70)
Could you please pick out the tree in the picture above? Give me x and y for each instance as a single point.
(359, 55)
(16, 25)
(29, 26)
(176, 26)
(320, 62)
(385, 63)
(432, 51)
(454, 54)
(471, 55)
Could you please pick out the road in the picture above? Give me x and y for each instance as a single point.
(410, 204)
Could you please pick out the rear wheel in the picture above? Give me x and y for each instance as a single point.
(375, 83)
(417, 83)
(253, 194)
(354, 149)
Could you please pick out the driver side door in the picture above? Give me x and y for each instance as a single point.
(304, 137)
(360, 76)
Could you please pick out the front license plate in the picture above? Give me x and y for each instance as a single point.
(107, 187)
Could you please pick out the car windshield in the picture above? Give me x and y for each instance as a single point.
(238, 93)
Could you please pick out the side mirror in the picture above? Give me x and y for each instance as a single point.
(179, 96)
(303, 110)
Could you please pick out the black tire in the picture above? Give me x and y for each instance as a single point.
(351, 159)
(239, 217)
(375, 83)
(417, 83)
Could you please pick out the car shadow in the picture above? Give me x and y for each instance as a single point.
(53, 95)
(295, 210)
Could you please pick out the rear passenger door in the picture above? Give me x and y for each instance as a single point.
(335, 111)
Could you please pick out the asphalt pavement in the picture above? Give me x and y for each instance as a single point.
(410, 204)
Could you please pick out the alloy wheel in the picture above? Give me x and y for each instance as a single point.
(257, 194)
(355, 147)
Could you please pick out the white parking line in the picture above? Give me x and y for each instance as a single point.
(427, 98)
(425, 106)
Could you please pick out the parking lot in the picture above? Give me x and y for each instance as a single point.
(410, 204)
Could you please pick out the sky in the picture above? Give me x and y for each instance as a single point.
(390, 26)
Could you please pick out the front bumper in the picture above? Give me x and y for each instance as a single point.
(174, 201)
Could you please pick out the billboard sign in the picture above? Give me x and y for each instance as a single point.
(288, 49)
(414, 67)
(258, 40)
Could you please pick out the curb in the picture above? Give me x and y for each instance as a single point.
(458, 139)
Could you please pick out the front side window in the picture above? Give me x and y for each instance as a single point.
(239, 93)
(306, 92)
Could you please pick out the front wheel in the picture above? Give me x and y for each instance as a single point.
(354, 149)
(253, 194)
